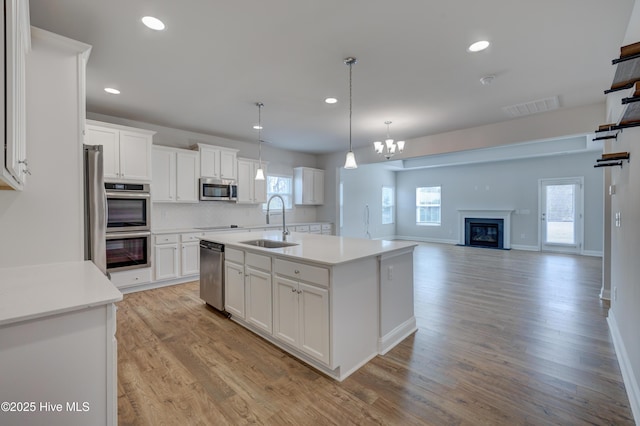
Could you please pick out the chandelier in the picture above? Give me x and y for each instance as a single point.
(390, 147)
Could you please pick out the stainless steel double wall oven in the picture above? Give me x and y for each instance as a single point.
(128, 237)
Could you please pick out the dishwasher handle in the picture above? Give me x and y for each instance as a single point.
(210, 245)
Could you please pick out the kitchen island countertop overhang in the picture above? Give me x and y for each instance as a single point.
(332, 302)
(323, 249)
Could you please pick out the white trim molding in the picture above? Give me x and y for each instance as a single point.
(626, 368)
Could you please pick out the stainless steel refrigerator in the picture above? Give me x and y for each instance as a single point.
(95, 206)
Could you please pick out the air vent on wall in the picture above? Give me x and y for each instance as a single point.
(532, 107)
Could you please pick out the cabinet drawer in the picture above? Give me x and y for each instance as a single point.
(301, 271)
(131, 277)
(258, 261)
(192, 236)
(302, 228)
(326, 227)
(234, 255)
(166, 239)
(315, 228)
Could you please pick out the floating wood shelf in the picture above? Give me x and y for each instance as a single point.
(606, 131)
(612, 159)
(628, 68)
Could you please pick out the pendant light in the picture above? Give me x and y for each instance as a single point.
(388, 148)
(350, 161)
(259, 172)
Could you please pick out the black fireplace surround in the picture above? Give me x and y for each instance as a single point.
(480, 232)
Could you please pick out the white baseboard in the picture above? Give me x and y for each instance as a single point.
(397, 335)
(425, 240)
(594, 253)
(630, 383)
(524, 247)
(605, 294)
(158, 284)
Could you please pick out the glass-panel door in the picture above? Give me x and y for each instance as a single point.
(561, 215)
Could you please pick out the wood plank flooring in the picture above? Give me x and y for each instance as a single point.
(504, 338)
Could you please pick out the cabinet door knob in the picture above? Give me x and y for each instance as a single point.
(299, 291)
(293, 290)
(296, 271)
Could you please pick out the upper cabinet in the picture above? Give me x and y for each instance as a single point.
(126, 151)
(13, 154)
(308, 186)
(250, 190)
(175, 175)
(217, 162)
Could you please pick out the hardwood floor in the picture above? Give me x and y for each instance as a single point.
(504, 338)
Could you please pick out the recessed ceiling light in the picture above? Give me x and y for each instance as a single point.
(331, 100)
(478, 46)
(257, 127)
(112, 91)
(153, 23)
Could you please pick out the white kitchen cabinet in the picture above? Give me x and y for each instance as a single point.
(132, 277)
(13, 152)
(175, 175)
(189, 258)
(308, 186)
(326, 229)
(234, 288)
(301, 308)
(258, 291)
(166, 257)
(250, 190)
(217, 162)
(126, 150)
(176, 255)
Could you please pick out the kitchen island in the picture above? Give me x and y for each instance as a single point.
(58, 353)
(333, 302)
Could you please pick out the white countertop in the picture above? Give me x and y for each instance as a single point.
(325, 249)
(29, 292)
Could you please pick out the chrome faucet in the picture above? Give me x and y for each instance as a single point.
(284, 226)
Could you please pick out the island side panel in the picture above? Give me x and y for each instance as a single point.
(65, 360)
(354, 310)
(397, 319)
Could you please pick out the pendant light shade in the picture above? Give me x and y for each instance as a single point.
(350, 160)
(259, 172)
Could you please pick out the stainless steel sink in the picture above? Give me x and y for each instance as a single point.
(268, 243)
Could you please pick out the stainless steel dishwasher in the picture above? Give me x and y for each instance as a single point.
(212, 274)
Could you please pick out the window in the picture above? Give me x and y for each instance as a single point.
(388, 204)
(428, 205)
(282, 186)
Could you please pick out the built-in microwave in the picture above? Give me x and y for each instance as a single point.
(218, 190)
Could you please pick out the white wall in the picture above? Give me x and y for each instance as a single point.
(504, 185)
(210, 213)
(44, 222)
(363, 187)
(624, 315)
(563, 123)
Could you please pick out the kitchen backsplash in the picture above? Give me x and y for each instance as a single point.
(218, 213)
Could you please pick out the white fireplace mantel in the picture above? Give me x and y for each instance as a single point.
(505, 215)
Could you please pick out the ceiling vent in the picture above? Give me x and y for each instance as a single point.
(533, 107)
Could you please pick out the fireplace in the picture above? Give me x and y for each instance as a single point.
(484, 232)
(494, 225)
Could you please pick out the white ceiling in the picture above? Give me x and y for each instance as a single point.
(215, 59)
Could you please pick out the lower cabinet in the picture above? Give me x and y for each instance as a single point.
(234, 288)
(176, 256)
(248, 288)
(301, 317)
